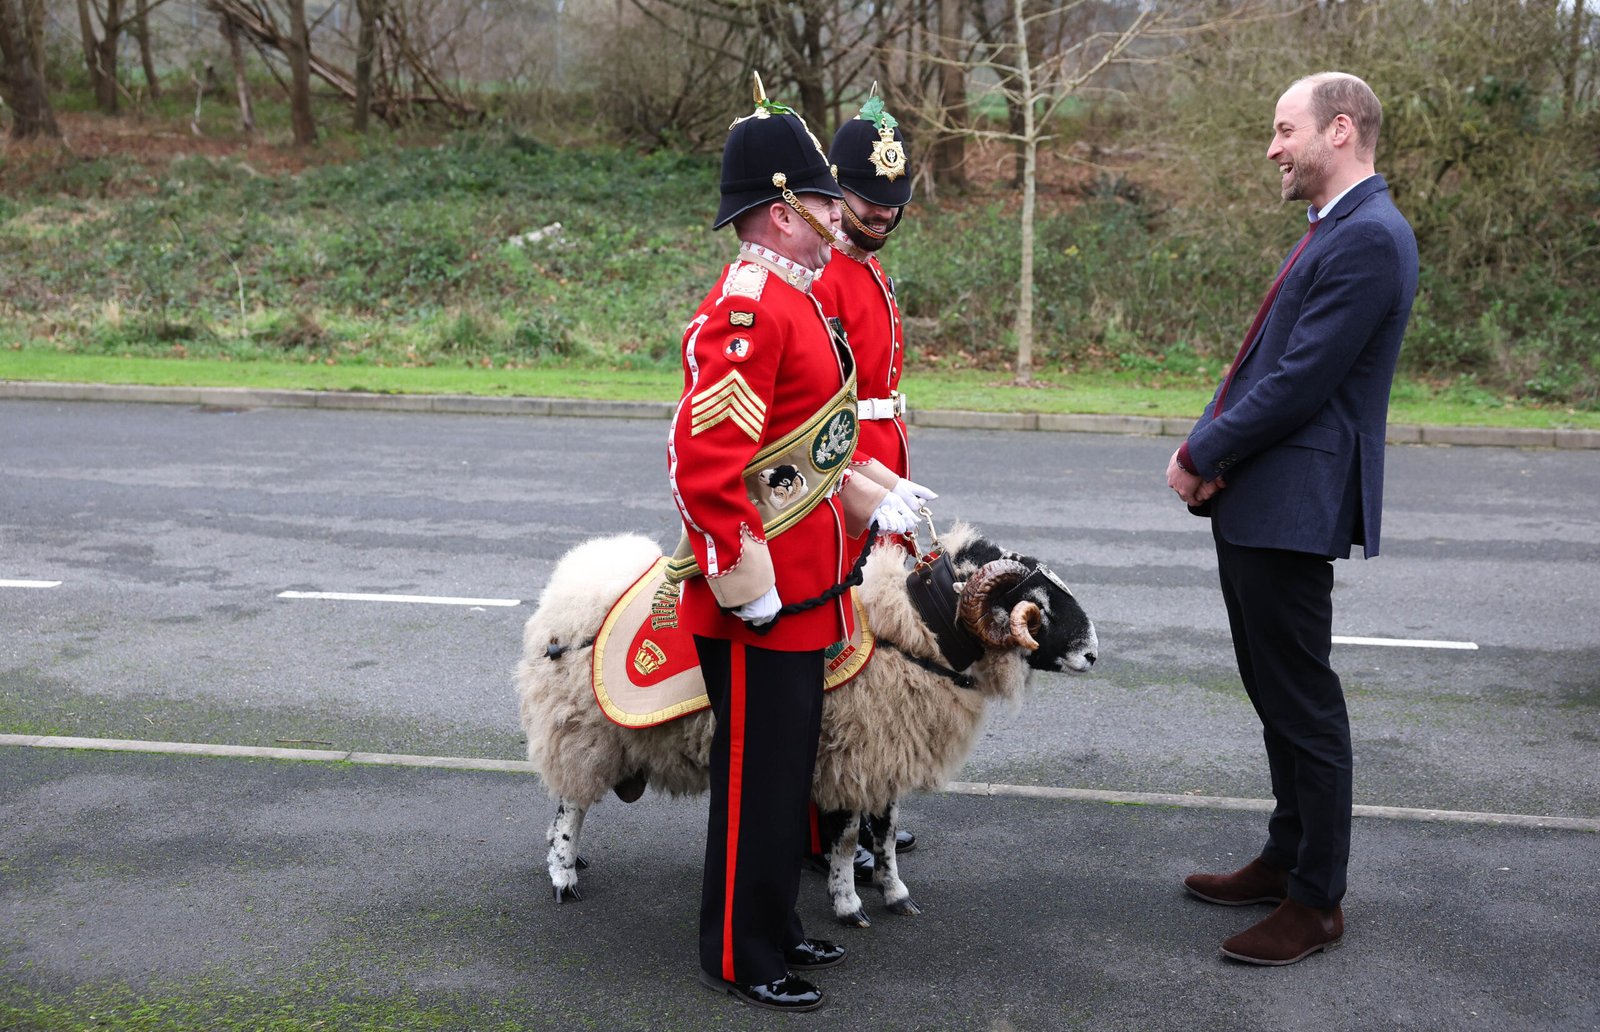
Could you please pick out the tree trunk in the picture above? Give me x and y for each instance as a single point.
(33, 25)
(299, 48)
(800, 44)
(950, 150)
(241, 85)
(1030, 52)
(21, 82)
(1029, 169)
(813, 95)
(370, 12)
(1569, 68)
(100, 53)
(141, 24)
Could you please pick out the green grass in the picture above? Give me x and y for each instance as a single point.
(1055, 391)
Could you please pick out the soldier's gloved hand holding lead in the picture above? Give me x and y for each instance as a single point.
(913, 493)
(894, 516)
(763, 610)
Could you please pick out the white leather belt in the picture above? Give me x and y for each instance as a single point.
(882, 408)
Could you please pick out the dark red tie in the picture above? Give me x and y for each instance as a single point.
(1261, 317)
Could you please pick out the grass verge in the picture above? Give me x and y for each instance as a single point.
(1054, 391)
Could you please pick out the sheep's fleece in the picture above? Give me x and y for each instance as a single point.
(896, 728)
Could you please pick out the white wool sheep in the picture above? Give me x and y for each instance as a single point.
(906, 722)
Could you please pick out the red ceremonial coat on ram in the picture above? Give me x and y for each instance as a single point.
(758, 365)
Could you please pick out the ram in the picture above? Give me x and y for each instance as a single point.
(950, 636)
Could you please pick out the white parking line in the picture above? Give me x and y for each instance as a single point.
(432, 600)
(1400, 813)
(30, 584)
(1406, 643)
(1403, 813)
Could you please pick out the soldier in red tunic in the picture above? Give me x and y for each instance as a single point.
(759, 458)
(869, 154)
(873, 168)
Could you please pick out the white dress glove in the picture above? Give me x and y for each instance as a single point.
(894, 516)
(763, 610)
(913, 493)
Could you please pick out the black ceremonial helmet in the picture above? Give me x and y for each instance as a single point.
(870, 153)
(771, 155)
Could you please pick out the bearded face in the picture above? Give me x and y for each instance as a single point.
(877, 218)
(1308, 173)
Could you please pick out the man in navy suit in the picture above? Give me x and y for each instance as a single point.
(1287, 461)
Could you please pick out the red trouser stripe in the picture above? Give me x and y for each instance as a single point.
(813, 831)
(736, 703)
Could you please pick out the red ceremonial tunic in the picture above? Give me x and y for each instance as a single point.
(859, 295)
(758, 363)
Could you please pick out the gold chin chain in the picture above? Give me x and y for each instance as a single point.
(850, 214)
(781, 181)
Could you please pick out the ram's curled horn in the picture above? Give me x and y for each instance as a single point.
(1025, 619)
(977, 612)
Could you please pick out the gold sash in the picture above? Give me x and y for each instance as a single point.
(793, 475)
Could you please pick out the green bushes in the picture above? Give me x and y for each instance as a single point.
(1488, 146)
(493, 249)
(404, 256)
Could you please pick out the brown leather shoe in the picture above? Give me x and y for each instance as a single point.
(1255, 882)
(1290, 933)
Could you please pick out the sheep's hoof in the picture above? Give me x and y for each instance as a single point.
(567, 894)
(582, 864)
(905, 907)
(858, 919)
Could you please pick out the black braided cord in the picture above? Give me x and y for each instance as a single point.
(850, 581)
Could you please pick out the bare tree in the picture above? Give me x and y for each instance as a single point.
(813, 51)
(33, 25)
(399, 53)
(100, 48)
(950, 150)
(21, 82)
(370, 12)
(241, 82)
(1577, 20)
(298, 47)
(1037, 82)
(141, 29)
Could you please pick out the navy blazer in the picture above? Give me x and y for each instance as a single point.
(1300, 440)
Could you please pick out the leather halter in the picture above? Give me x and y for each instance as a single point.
(932, 587)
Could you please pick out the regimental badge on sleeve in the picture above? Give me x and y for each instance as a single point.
(745, 319)
(738, 349)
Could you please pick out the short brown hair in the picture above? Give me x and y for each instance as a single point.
(1340, 93)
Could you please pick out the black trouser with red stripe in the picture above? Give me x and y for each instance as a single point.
(768, 708)
(1280, 609)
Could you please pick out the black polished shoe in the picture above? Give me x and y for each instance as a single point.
(865, 864)
(789, 993)
(904, 842)
(812, 954)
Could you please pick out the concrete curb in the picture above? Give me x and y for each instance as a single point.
(956, 419)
